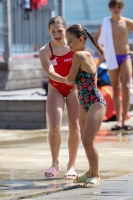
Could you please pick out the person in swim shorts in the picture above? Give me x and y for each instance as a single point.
(57, 56)
(120, 77)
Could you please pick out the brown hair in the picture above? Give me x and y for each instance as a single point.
(57, 20)
(78, 30)
(113, 3)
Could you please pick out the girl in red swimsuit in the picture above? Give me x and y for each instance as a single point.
(57, 57)
(62, 65)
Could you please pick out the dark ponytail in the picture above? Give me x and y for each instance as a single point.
(78, 30)
(93, 41)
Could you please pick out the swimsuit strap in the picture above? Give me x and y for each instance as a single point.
(51, 48)
(87, 72)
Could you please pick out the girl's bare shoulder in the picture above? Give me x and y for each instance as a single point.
(83, 53)
(45, 50)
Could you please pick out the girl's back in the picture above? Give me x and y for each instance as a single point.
(87, 61)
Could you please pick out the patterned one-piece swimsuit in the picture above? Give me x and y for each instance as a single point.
(88, 93)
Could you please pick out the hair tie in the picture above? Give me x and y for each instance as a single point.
(86, 30)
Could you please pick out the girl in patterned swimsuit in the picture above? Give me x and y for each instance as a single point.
(87, 90)
(93, 105)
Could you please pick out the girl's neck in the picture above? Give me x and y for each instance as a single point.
(58, 45)
(83, 48)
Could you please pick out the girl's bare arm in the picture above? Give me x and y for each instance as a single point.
(47, 66)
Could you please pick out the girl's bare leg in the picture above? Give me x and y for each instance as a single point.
(72, 104)
(92, 125)
(55, 107)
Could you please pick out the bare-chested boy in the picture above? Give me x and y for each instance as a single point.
(120, 76)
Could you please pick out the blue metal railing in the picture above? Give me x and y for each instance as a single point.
(28, 29)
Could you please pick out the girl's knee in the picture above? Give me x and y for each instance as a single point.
(87, 143)
(54, 128)
(74, 126)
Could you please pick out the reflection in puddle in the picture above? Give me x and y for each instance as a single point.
(7, 187)
(117, 192)
(127, 137)
(119, 136)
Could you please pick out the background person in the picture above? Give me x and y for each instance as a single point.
(113, 35)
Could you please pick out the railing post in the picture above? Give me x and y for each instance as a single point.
(61, 8)
(7, 29)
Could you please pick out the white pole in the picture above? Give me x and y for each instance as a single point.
(7, 29)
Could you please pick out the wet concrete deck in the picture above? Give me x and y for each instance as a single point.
(120, 188)
(24, 156)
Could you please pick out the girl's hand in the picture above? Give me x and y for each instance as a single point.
(67, 82)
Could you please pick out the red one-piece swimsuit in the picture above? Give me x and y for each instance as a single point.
(62, 65)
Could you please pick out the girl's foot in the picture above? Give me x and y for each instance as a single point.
(91, 182)
(52, 172)
(71, 174)
(80, 178)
